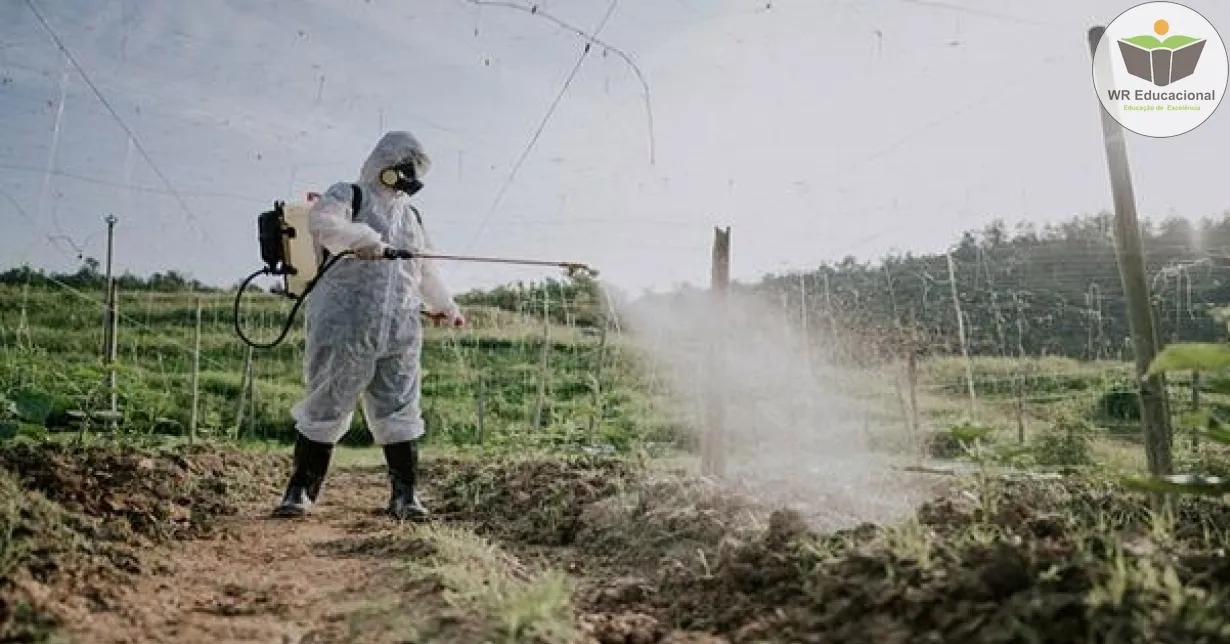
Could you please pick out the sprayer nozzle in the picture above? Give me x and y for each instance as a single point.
(573, 269)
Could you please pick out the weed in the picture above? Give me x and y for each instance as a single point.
(1066, 444)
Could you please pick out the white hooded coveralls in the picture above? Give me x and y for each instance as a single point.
(364, 335)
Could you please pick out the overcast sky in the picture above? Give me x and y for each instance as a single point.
(814, 128)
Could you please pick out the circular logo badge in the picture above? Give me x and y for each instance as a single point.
(1160, 69)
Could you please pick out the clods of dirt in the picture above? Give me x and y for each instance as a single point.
(530, 501)
(662, 518)
(623, 628)
(1052, 569)
(77, 521)
(52, 562)
(660, 558)
(165, 494)
(663, 558)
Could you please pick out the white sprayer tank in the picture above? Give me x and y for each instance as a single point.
(301, 251)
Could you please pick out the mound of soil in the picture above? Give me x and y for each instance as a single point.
(660, 520)
(1050, 568)
(1071, 559)
(77, 520)
(45, 547)
(159, 494)
(530, 501)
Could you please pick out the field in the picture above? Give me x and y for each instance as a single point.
(568, 503)
(52, 343)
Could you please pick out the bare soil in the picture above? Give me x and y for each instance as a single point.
(133, 546)
(260, 579)
(670, 559)
(113, 546)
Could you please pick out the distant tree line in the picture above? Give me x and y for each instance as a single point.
(1049, 290)
(1053, 290)
(90, 277)
(575, 300)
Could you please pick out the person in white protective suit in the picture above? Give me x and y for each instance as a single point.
(364, 335)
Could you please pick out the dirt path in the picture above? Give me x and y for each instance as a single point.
(586, 552)
(532, 550)
(264, 579)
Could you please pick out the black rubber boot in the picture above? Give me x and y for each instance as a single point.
(311, 465)
(403, 460)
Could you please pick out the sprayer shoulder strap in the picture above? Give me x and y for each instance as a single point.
(356, 202)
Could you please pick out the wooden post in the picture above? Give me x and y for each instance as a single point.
(251, 401)
(892, 295)
(23, 325)
(1195, 407)
(544, 361)
(1155, 418)
(1019, 391)
(803, 316)
(831, 319)
(805, 321)
(109, 335)
(905, 410)
(911, 374)
(809, 370)
(112, 355)
(596, 391)
(969, 369)
(1195, 391)
(1018, 377)
(196, 377)
(149, 316)
(243, 390)
(713, 456)
(481, 404)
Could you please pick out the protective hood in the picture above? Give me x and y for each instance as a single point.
(392, 149)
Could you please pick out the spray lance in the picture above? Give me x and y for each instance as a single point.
(286, 248)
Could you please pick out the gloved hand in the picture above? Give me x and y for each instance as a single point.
(454, 318)
(374, 250)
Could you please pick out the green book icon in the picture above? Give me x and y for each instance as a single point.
(1161, 62)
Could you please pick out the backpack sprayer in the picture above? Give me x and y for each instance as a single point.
(289, 252)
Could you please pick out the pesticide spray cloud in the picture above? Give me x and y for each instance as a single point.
(799, 433)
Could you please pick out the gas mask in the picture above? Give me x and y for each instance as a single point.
(401, 177)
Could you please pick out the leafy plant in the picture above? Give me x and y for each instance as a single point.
(1065, 444)
(970, 439)
(33, 406)
(1200, 357)
(9, 423)
(957, 440)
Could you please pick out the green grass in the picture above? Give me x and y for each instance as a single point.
(1037, 377)
(1057, 397)
(50, 345)
(592, 392)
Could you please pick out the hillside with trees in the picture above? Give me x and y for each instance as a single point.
(1053, 290)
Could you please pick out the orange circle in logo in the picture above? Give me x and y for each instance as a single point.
(1161, 27)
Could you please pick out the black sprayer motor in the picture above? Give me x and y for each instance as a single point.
(272, 232)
